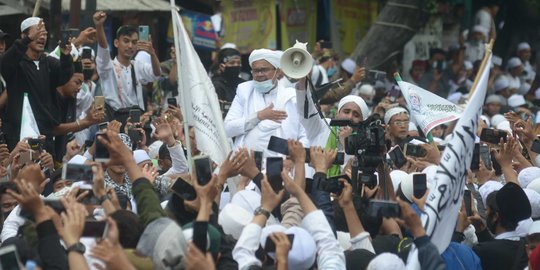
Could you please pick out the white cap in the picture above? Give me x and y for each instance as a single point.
(77, 159)
(397, 176)
(494, 99)
(534, 185)
(392, 112)
(534, 228)
(153, 149)
(140, 156)
(247, 199)
(385, 261)
(29, 22)
(487, 188)
(273, 57)
(504, 125)
(537, 93)
(516, 100)
(513, 62)
(233, 219)
(524, 88)
(496, 119)
(468, 65)
(496, 60)
(480, 29)
(229, 45)
(534, 200)
(527, 175)
(303, 252)
(523, 46)
(366, 89)
(348, 65)
(500, 84)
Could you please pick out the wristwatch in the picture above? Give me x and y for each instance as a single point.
(77, 247)
(260, 211)
(103, 198)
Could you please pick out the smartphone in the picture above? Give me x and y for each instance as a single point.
(397, 157)
(203, 169)
(86, 53)
(144, 32)
(468, 202)
(25, 157)
(172, 102)
(258, 156)
(135, 116)
(536, 146)
(95, 229)
(2, 137)
(414, 150)
(78, 172)
(340, 123)
(475, 162)
(370, 180)
(278, 145)
(383, 208)
(135, 136)
(184, 190)
(36, 146)
(486, 157)
(9, 258)
(419, 185)
(332, 184)
(493, 136)
(339, 160)
(103, 126)
(274, 166)
(326, 44)
(270, 246)
(99, 103)
(101, 153)
(55, 204)
(66, 34)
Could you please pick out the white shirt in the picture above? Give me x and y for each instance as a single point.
(317, 71)
(474, 51)
(117, 83)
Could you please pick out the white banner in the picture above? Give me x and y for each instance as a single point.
(428, 110)
(29, 127)
(200, 100)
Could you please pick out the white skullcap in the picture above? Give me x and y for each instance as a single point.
(358, 101)
(412, 126)
(407, 186)
(534, 200)
(504, 125)
(366, 89)
(273, 57)
(523, 46)
(481, 29)
(77, 159)
(233, 219)
(303, 251)
(523, 226)
(496, 60)
(140, 156)
(348, 65)
(527, 175)
(247, 199)
(153, 149)
(394, 111)
(513, 62)
(534, 228)
(29, 22)
(500, 84)
(524, 88)
(487, 188)
(537, 93)
(468, 65)
(535, 185)
(397, 176)
(188, 235)
(497, 119)
(386, 261)
(229, 45)
(494, 99)
(516, 100)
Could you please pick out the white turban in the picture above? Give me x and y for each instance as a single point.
(523, 46)
(29, 22)
(140, 156)
(358, 101)
(273, 57)
(348, 65)
(394, 111)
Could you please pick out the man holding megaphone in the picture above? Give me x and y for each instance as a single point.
(263, 107)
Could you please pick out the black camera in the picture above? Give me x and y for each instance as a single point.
(367, 143)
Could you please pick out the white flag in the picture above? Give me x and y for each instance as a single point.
(199, 98)
(29, 127)
(428, 110)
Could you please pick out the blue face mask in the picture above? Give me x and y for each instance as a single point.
(264, 86)
(331, 71)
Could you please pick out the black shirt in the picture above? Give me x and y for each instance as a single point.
(226, 88)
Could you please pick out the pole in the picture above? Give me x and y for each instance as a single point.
(482, 66)
(174, 17)
(36, 8)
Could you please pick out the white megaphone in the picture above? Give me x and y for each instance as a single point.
(296, 62)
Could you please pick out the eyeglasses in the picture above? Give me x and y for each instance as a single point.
(9, 205)
(261, 70)
(401, 123)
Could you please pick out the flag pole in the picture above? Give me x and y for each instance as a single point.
(489, 48)
(36, 8)
(186, 103)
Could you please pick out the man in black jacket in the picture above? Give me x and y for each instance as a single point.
(27, 70)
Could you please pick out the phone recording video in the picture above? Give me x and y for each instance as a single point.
(270, 246)
(184, 190)
(172, 102)
(135, 136)
(37, 147)
(468, 202)
(144, 32)
(203, 169)
(493, 136)
(135, 116)
(78, 172)
(419, 185)
(258, 156)
(414, 150)
(397, 157)
(382, 208)
(95, 229)
(274, 166)
(278, 145)
(101, 154)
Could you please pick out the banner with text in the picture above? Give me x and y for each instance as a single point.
(350, 21)
(298, 22)
(428, 110)
(250, 24)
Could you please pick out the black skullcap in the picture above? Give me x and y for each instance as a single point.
(434, 51)
(513, 203)
(358, 258)
(226, 54)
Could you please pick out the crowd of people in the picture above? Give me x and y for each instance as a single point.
(307, 201)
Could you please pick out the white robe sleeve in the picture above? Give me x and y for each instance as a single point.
(315, 128)
(235, 121)
(248, 243)
(12, 224)
(179, 162)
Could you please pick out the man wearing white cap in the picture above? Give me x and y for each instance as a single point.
(524, 54)
(27, 70)
(397, 124)
(475, 46)
(262, 107)
(515, 69)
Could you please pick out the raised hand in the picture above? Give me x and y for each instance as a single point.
(99, 18)
(297, 152)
